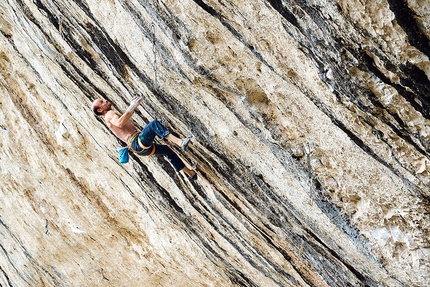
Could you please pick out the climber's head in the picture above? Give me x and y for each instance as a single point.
(101, 106)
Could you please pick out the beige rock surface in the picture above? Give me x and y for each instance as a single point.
(273, 92)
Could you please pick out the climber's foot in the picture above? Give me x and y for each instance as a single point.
(185, 142)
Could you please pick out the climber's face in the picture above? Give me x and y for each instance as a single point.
(101, 106)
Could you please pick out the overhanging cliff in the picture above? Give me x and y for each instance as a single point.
(311, 138)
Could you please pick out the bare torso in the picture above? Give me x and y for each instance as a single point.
(124, 132)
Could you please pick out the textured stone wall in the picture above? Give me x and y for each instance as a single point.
(311, 139)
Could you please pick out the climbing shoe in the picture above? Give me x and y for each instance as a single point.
(185, 142)
(193, 177)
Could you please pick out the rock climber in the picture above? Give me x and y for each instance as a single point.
(142, 142)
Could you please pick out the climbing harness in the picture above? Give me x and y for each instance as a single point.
(123, 153)
(132, 137)
(145, 149)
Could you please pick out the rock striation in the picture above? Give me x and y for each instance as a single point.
(311, 124)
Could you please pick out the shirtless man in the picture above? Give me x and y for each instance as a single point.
(142, 142)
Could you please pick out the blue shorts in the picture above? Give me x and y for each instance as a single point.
(147, 136)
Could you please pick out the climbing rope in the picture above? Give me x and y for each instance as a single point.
(154, 50)
(307, 150)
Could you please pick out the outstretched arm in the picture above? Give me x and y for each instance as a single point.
(120, 121)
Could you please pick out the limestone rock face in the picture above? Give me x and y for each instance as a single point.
(311, 124)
